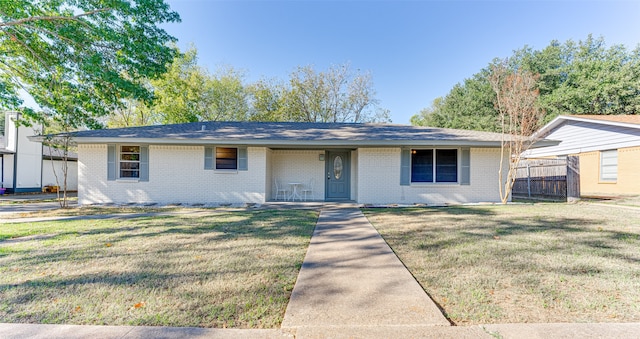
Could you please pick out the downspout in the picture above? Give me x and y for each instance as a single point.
(15, 162)
(42, 162)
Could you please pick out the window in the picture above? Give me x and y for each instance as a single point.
(609, 165)
(439, 164)
(422, 165)
(226, 158)
(129, 162)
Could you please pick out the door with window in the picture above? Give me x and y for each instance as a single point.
(337, 179)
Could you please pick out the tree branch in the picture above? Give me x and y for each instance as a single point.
(51, 18)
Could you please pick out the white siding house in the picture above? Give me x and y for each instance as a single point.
(27, 166)
(241, 162)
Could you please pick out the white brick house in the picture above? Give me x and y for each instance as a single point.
(241, 162)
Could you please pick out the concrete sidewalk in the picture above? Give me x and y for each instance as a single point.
(350, 277)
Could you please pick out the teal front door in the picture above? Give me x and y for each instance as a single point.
(337, 178)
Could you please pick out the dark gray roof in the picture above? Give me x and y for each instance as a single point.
(290, 133)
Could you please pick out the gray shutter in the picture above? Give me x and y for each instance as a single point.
(405, 167)
(465, 166)
(208, 158)
(242, 159)
(144, 163)
(111, 162)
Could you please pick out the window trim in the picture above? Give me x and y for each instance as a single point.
(603, 166)
(434, 166)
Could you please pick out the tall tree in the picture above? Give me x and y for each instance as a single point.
(182, 93)
(229, 97)
(336, 95)
(467, 106)
(103, 48)
(519, 116)
(596, 80)
(267, 100)
(573, 78)
(187, 92)
(78, 59)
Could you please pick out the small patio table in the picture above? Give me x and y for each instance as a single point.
(294, 191)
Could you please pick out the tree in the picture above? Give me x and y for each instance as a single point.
(182, 93)
(267, 100)
(519, 116)
(573, 78)
(79, 59)
(132, 113)
(337, 95)
(229, 98)
(595, 80)
(187, 92)
(105, 48)
(467, 106)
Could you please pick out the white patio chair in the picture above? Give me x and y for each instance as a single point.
(308, 190)
(281, 190)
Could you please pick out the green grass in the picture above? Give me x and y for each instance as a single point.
(521, 263)
(205, 269)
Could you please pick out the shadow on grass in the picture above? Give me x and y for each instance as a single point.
(160, 253)
(218, 226)
(528, 247)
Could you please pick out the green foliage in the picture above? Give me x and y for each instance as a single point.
(79, 59)
(267, 101)
(574, 78)
(188, 93)
(182, 91)
(467, 106)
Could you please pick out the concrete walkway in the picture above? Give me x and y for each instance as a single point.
(351, 278)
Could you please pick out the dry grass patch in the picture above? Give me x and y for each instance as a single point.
(521, 263)
(622, 200)
(216, 269)
(95, 210)
(32, 201)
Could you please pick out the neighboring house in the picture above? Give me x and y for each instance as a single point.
(248, 162)
(27, 166)
(608, 147)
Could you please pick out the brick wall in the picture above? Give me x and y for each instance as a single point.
(628, 174)
(176, 175)
(379, 180)
(298, 166)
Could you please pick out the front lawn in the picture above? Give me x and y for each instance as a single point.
(521, 263)
(205, 269)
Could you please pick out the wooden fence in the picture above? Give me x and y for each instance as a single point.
(548, 179)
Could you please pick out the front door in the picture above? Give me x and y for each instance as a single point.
(337, 181)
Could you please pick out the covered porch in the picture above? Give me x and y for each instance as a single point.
(311, 174)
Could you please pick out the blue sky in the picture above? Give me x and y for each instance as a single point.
(415, 50)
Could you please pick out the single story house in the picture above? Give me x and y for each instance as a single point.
(256, 162)
(28, 165)
(608, 147)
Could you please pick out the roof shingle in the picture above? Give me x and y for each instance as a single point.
(288, 131)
